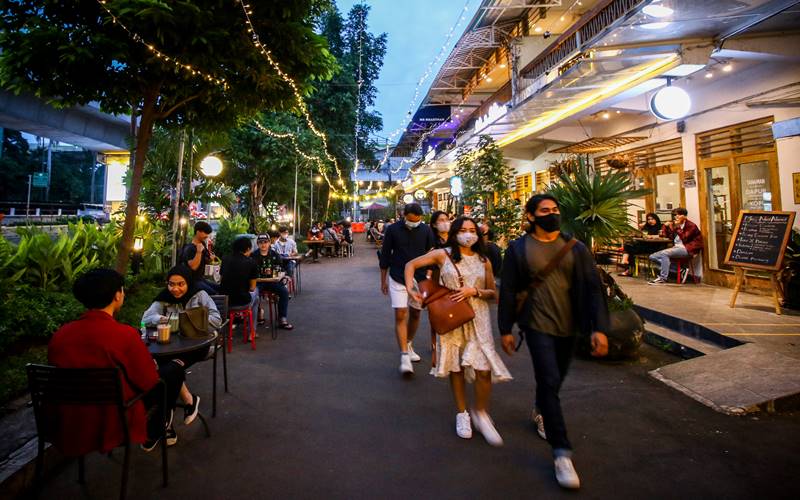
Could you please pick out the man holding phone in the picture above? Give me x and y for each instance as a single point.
(551, 288)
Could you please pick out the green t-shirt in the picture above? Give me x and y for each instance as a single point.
(551, 310)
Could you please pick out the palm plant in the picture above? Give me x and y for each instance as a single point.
(594, 207)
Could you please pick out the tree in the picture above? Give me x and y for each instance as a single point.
(485, 179)
(15, 165)
(71, 53)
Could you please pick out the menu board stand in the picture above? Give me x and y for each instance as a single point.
(758, 244)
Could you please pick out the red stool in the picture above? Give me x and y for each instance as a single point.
(683, 262)
(272, 307)
(246, 314)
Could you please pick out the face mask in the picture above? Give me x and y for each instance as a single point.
(412, 225)
(283, 238)
(550, 222)
(467, 239)
(443, 227)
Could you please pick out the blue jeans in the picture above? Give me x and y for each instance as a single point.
(551, 357)
(289, 266)
(663, 256)
(282, 292)
(210, 288)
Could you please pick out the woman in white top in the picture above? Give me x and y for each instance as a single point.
(466, 353)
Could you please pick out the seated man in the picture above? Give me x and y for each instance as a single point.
(97, 340)
(688, 243)
(266, 259)
(239, 274)
(332, 236)
(196, 255)
(286, 247)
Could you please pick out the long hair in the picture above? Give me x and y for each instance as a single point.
(452, 241)
(434, 216)
(654, 216)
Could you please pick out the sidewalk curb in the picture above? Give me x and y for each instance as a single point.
(684, 327)
(18, 470)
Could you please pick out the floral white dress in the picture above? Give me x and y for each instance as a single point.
(470, 346)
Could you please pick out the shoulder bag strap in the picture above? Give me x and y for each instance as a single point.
(460, 278)
(554, 262)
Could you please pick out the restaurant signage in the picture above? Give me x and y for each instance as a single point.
(759, 239)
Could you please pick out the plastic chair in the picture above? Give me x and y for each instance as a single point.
(685, 262)
(246, 314)
(52, 387)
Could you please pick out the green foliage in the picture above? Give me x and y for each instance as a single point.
(485, 177)
(138, 297)
(34, 314)
(12, 372)
(594, 208)
(227, 231)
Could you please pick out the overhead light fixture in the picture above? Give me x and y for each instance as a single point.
(727, 68)
(488, 79)
(606, 115)
(670, 103)
(659, 11)
(618, 111)
(709, 74)
(562, 18)
(211, 166)
(654, 26)
(502, 65)
(537, 29)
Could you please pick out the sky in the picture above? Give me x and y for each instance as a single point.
(416, 31)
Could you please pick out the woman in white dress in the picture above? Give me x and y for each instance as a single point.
(467, 353)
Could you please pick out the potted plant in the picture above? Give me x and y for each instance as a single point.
(594, 209)
(789, 276)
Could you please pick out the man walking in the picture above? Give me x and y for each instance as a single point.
(688, 242)
(551, 289)
(403, 241)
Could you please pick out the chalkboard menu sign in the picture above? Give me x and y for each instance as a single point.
(759, 239)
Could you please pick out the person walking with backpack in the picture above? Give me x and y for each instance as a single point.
(466, 353)
(551, 289)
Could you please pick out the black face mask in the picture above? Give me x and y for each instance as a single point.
(549, 222)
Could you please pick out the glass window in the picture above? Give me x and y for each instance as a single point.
(668, 194)
(754, 185)
(721, 224)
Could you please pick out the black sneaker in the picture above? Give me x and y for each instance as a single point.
(190, 411)
(172, 437)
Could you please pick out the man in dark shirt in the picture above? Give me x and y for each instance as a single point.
(266, 258)
(403, 241)
(568, 300)
(239, 274)
(196, 255)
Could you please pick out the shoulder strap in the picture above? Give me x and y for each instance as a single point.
(460, 278)
(554, 262)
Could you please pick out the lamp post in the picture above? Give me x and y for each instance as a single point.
(137, 255)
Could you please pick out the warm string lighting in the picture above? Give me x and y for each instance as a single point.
(293, 138)
(435, 62)
(187, 68)
(246, 8)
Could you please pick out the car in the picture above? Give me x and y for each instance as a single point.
(93, 212)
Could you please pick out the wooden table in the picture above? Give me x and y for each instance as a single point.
(315, 246)
(178, 344)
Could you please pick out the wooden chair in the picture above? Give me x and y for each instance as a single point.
(53, 387)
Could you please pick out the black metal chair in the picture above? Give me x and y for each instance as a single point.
(221, 301)
(52, 387)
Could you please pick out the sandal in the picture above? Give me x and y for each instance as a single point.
(627, 272)
(285, 326)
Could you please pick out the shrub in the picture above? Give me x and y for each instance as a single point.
(34, 314)
(227, 232)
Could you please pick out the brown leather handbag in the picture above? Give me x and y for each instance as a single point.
(444, 313)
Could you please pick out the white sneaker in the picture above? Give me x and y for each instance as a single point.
(463, 425)
(406, 368)
(483, 423)
(538, 421)
(565, 473)
(413, 355)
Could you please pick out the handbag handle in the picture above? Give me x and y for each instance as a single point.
(460, 277)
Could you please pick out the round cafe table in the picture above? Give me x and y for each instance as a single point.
(178, 344)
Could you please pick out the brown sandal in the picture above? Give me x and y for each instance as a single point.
(285, 326)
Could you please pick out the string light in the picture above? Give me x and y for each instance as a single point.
(177, 63)
(246, 8)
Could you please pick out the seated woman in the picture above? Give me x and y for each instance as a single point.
(651, 227)
(377, 232)
(97, 340)
(332, 236)
(179, 295)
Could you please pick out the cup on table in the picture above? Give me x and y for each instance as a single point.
(163, 333)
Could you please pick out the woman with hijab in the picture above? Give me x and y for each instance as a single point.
(651, 227)
(179, 295)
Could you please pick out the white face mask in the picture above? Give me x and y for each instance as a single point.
(443, 227)
(412, 225)
(467, 239)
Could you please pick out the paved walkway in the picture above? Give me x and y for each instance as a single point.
(322, 413)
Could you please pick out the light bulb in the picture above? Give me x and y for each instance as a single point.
(727, 68)
(659, 11)
(211, 166)
(709, 74)
(670, 103)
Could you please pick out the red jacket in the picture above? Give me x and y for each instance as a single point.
(97, 340)
(690, 235)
